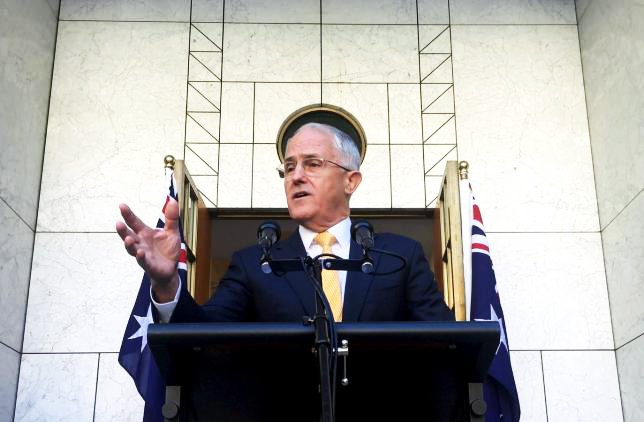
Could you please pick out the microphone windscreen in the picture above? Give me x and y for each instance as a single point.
(270, 230)
(362, 233)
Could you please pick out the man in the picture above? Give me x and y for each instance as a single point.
(321, 172)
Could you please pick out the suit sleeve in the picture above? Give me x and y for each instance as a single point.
(424, 300)
(232, 302)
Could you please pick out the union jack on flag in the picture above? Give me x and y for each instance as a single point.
(135, 355)
(500, 391)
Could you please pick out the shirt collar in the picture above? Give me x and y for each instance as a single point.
(341, 231)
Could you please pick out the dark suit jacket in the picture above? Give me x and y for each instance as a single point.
(245, 293)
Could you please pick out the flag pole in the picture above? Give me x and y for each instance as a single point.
(466, 230)
(168, 163)
(463, 168)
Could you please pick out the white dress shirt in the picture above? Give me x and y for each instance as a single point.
(341, 248)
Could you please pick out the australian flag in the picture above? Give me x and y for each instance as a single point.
(500, 391)
(135, 355)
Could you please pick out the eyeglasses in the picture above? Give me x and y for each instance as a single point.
(312, 167)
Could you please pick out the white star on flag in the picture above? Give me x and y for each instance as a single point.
(495, 317)
(142, 332)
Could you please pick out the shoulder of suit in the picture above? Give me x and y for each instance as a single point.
(395, 239)
(252, 250)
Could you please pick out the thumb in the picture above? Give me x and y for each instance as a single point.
(171, 215)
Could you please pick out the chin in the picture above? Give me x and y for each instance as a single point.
(300, 213)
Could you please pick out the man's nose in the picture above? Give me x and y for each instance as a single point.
(298, 174)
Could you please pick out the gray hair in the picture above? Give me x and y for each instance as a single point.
(344, 144)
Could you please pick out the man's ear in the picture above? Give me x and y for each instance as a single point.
(352, 181)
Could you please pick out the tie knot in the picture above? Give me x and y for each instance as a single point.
(325, 239)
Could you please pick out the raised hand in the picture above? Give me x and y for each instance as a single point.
(156, 250)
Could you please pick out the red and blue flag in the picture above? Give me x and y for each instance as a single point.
(500, 391)
(135, 355)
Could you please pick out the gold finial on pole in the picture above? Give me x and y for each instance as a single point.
(169, 162)
(463, 167)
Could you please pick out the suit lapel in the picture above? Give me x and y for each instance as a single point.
(292, 248)
(357, 286)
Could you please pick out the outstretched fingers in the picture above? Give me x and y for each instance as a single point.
(123, 231)
(131, 219)
(153, 249)
(130, 239)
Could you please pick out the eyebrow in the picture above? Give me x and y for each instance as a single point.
(304, 156)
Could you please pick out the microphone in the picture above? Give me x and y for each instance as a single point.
(268, 234)
(362, 234)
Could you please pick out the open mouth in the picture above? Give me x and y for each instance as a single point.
(301, 194)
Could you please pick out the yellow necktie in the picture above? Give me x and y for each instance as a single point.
(330, 281)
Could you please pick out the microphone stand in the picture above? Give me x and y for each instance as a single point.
(321, 322)
(322, 319)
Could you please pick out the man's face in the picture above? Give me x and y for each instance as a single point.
(318, 201)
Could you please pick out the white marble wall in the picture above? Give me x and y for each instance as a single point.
(339, 63)
(519, 96)
(543, 271)
(521, 123)
(118, 106)
(116, 396)
(527, 367)
(610, 39)
(9, 369)
(16, 245)
(581, 386)
(124, 10)
(66, 387)
(513, 12)
(57, 387)
(624, 255)
(631, 378)
(610, 35)
(501, 87)
(27, 40)
(90, 271)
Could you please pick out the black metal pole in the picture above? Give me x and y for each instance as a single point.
(323, 348)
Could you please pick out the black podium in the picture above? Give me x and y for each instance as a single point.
(403, 371)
